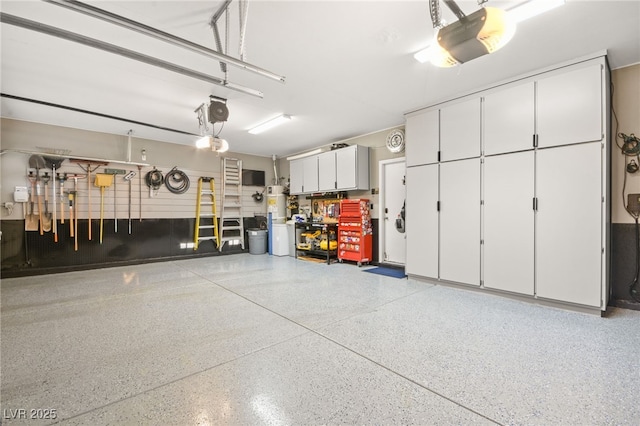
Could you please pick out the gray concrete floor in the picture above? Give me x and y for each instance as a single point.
(256, 339)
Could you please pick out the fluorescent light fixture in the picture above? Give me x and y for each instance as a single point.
(270, 124)
(532, 8)
(516, 14)
(304, 154)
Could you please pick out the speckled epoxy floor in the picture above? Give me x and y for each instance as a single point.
(255, 339)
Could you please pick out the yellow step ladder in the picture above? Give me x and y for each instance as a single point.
(210, 201)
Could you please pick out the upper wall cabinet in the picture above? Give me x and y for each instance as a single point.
(423, 138)
(310, 173)
(460, 130)
(304, 175)
(327, 171)
(296, 176)
(338, 170)
(569, 107)
(509, 119)
(352, 168)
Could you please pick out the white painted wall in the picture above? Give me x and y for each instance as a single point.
(626, 102)
(36, 137)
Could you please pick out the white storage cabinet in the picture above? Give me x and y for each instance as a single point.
(508, 231)
(460, 221)
(421, 221)
(422, 132)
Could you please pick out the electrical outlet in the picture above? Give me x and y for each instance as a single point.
(633, 204)
(21, 194)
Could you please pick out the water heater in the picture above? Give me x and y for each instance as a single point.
(276, 203)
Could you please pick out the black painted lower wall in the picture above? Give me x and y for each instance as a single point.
(623, 264)
(29, 253)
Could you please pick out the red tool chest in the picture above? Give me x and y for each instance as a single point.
(355, 231)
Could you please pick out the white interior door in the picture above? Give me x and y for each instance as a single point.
(393, 192)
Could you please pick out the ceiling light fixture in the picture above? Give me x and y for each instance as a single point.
(532, 8)
(304, 154)
(283, 118)
(484, 31)
(216, 144)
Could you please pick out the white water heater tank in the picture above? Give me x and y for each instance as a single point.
(276, 202)
(275, 189)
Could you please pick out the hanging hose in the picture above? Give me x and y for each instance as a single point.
(154, 179)
(177, 181)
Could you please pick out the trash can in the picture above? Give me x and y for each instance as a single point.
(257, 241)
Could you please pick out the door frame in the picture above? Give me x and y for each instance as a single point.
(382, 223)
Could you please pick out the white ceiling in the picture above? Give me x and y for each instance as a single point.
(349, 66)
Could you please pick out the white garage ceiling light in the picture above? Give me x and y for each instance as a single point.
(270, 124)
(482, 32)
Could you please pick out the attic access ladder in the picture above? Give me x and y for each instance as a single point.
(231, 226)
(209, 200)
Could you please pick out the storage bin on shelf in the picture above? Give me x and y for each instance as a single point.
(355, 231)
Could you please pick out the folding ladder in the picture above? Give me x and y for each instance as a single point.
(209, 201)
(231, 227)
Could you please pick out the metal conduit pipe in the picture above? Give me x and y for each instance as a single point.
(161, 35)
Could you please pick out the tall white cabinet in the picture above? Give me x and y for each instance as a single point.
(508, 213)
(422, 213)
(460, 221)
(569, 235)
(522, 177)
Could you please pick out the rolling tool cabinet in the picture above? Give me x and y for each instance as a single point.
(355, 231)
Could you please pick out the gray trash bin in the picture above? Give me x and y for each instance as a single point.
(257, 241)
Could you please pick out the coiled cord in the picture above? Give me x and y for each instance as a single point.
(154, 179)
(177, 181)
